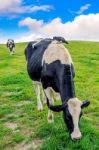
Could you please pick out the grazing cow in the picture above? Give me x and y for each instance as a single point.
(11, 46)
(49, 63)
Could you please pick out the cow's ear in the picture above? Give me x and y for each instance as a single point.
(85, 103)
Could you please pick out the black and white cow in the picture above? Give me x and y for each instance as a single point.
(49, 63)
(11, 46)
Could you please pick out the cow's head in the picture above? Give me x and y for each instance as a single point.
(72, 111)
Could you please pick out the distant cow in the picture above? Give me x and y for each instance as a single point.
(11, 46)
(49, 63)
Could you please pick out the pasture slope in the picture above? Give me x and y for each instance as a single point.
(22, 127)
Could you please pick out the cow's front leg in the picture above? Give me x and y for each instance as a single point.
(49, 95)
(13, 50)
(37, 90)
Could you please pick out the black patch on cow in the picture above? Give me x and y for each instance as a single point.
(68, 120)
(59, 77)
(73, 70)
(34, 57)
(49, 75)
(60, 39)
(67, 88)
(29, 50)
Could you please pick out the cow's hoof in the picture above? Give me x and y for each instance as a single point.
(40, 108)
(50, 121)
(44, 102)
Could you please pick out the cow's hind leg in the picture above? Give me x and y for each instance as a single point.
(37, 90)
(11, 52)
(43, 97)
(49, 95)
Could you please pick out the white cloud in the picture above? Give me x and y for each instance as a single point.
(33, 24)
(83, 8)
(83, 27)
(27, 37)
(16, 7)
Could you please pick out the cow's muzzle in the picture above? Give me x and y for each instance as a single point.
(76, 135)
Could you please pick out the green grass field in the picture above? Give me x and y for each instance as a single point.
(22, 127)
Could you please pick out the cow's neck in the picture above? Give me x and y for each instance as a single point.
(67, 89)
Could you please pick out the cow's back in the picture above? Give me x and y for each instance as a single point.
(57, 51)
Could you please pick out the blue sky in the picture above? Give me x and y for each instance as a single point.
(14, 12)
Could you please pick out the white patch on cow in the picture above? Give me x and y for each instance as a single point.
(56, 51)
(74, 107)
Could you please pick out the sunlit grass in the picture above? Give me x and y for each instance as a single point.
(18, 102)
